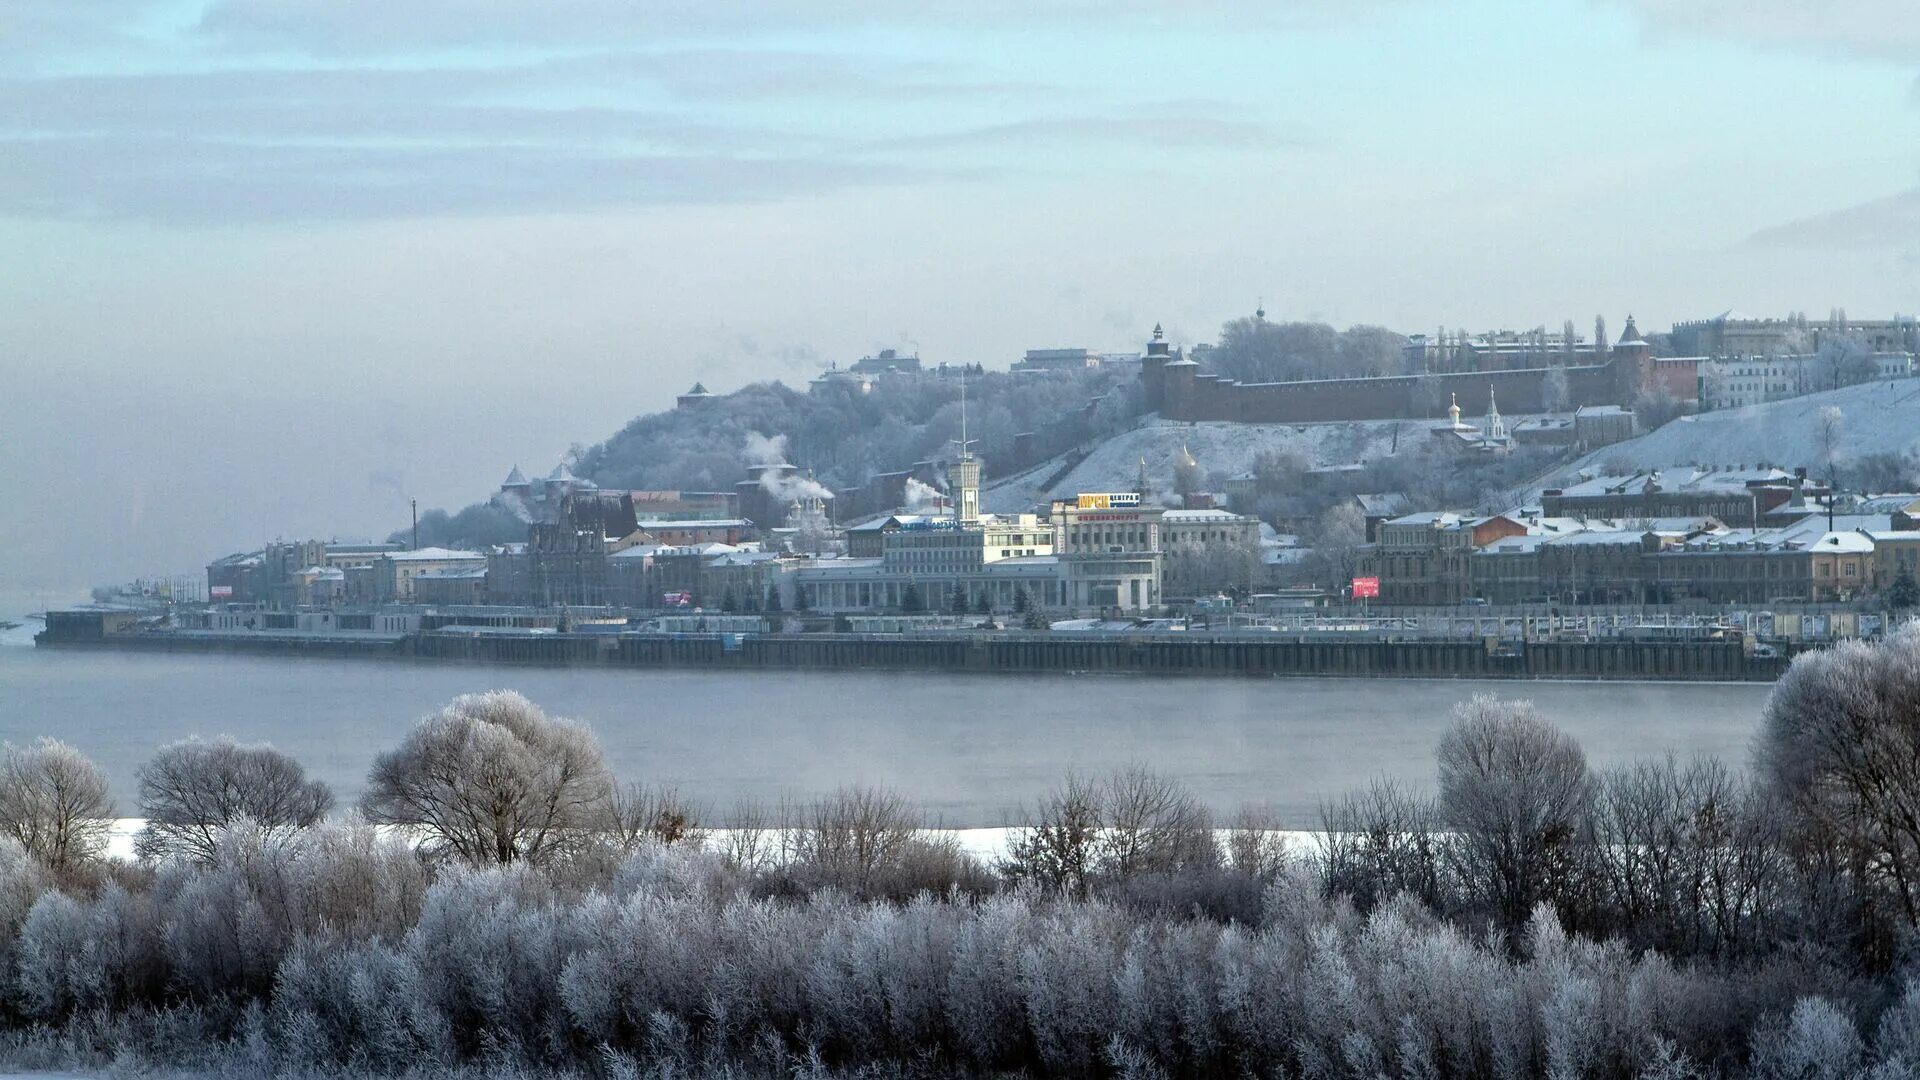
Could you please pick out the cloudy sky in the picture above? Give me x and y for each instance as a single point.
(272, 267)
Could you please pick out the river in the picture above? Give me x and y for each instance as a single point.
(971, 749)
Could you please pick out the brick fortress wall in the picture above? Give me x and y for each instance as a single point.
(1179, 390)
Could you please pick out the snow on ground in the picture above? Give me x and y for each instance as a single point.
(1218, 446)
(1876, 416)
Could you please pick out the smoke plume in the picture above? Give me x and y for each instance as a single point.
(921, 497)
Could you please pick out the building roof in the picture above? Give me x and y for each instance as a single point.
(668, 525)
(1844, 543)
(1685, 479)
(515, 478)
(432, 554)
(1192, 517)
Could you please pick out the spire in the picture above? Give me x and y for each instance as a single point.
(1453, 410)
(1496, 427)
(1260, 309)
(1143, 485)
(1159, 334)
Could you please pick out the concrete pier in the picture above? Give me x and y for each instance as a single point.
(1165, 654)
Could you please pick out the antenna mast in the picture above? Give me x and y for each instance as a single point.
(963, 413)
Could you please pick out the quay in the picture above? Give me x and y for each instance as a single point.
(1202, 653)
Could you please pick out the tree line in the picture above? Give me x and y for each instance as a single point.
(497, 903)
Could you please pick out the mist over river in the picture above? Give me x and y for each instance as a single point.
(970, 748)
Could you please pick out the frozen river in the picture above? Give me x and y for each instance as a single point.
(970, 748)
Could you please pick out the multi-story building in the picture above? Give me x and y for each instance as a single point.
(1423, 558)
(395, 573)
(1109, 547)
(1207, 550)
(1744, 566)
(1730, 336)
(1045, 361)
(1732, 382)
(1737, 496)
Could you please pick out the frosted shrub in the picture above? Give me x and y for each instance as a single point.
(355, 1004)
(490, 945)
(22, 881)
(1818, 1042)
(1067, 976)
(59, 964)
(984, 1006)
(227, 925)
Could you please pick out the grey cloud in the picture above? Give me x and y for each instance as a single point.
(1890, 224)
(1879, 29)
(382, 25)
(1147, 130)
(181, 181)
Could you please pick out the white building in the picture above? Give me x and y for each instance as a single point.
(1732, 382)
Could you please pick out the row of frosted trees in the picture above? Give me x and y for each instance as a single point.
(497, 903)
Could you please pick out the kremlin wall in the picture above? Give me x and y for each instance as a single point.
(1177, 388)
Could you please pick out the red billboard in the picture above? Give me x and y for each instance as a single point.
(1365, 587)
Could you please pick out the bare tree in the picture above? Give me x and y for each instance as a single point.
(1151, 823)
(1378, 844)
(192, 790)
(1337, 536)
(1833, 424)
(1057, 849)
(640, 814)
(1518, 795)
(55, 802)
(1256, 846)
(1130, 823)
(493, 779)
(749, 841)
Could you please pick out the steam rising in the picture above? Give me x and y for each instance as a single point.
(920, 497)
(783, 485)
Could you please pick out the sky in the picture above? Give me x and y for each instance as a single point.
(272, 268)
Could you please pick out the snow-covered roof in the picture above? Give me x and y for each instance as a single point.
(1191, 517)
(433, 554)
(515, 478)
(1429, 517)
(1844, 543)
(665, 525)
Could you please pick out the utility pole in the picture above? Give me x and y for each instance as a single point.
(415, 504)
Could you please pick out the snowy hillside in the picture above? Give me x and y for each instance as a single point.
(1875, 417)
(1217, 446)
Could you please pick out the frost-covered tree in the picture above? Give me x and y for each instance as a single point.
(191, 790)
(493, 779)
(55, 802)
(1839, 751)
(1517, 794)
